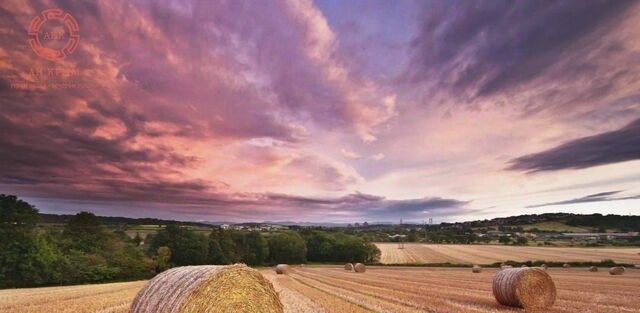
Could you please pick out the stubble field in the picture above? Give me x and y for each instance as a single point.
(415, 253)
(380, 289)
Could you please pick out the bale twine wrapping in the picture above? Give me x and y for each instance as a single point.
(593, 269)
(282, 269)
(207, 289)
(528, 288)
(618, 270)
(360, 268)
(348, 267)
(476, 269)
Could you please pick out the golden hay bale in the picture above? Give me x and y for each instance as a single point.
(348, 267)
(282, 269)
(618, 270)
(566, 265)
(476, 269)
(528, 288)
(360, 268)
(593, 269)
(207, 289)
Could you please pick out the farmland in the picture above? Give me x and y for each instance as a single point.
(415, 253)
(380, 289)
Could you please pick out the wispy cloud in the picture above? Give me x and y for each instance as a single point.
(598, 197)
(606, 148)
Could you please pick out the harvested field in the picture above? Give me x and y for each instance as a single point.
(415, 253)
(379, 289)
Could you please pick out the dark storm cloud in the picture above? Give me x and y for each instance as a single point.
(606, 148)
(485, 47)
(598, 197)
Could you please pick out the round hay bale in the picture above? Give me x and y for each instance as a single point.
(566, 265)
(348, 267)
(476, 269)
(360, 268)
(282, 269)
(593, 269)
(637, 266)
(528, 288)
(618, 270)
(207, 289)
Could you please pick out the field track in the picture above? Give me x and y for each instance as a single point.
(487, 254)
(380, 289)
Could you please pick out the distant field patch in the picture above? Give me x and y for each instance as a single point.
(416, 253)
(556, 226)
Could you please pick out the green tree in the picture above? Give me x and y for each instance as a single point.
(187, 247)
(251, 247)
(504, 240)
(287, 247)
(162, 258)
(85, 233)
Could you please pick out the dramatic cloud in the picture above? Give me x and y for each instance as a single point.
(223, 110)
(598, 197)
(610, 147)
(491, 46)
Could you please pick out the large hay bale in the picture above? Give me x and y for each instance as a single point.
(528, 288)
(360, 268)
(593, 269)
(207, 289)
(476, 269)
(617, 270)
(282, 269)
(566, 265)
(348, 267)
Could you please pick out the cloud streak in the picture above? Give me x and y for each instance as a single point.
(605, 148)
(598, 197)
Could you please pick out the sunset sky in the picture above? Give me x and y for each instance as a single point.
(326, 111)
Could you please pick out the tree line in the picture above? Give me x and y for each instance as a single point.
(86, 251)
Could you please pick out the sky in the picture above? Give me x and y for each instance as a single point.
(323, 111)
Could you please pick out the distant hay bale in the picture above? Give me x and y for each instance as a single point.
(566, 265)
(476, 269)
(637, 266)
(617, 270)
(204, 289)
(593, 269)
(505, 266)
(360, 268)
(528, 288)
(544, 266)
(348, 267)
(282, 269)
